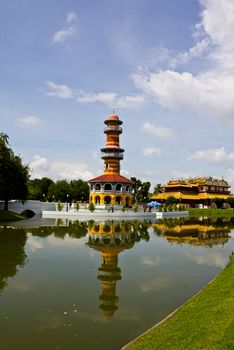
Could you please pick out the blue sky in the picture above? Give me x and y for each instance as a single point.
(165, 67)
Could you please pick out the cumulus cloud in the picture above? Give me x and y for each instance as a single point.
(155, 284)
(213, 155)
(125, 172)
(196, 51)
(210, 259)
(28, 121)
(151, 261)
(41, 167)
(71, 17)
(110, 99)
(230, 176)
(158, 131)
(210, 92)
(68, 31)
(63, 34)
(59, 90)
(151, 151)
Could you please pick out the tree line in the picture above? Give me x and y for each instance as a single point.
(15, 182)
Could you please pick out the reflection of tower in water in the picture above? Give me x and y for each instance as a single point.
(109, 239)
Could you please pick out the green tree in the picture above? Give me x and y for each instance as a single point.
(14, 175)
(158, 189)
(230, 200)
(12, 253)
(219, 202)
(79, 190)
(59, 191)
(141, 190)
(170, 200)
(38, 188)
(144, 192)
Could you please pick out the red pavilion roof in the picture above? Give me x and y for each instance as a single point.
(111, 178)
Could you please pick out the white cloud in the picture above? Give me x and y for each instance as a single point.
(71, 17)
(230, 176)
(150, 261)
(151, 151)
(215, 155)
(155, 284)
(28, 121)
(196, 51)
(211, 92)
(125, 172)
(210, 259)
(63, 34)
(158, 131)
(59, 90)
(67, 32)
(34, 243)
(41, 167)
(110, 99)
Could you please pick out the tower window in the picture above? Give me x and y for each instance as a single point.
(97, 187)
(107, 187)
(119, 187)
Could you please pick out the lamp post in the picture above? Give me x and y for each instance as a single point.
(67, 201)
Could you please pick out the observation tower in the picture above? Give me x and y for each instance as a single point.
(111, 188)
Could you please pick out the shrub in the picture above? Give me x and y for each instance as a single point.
(170, 200)
(174, 207)
(91, 207)
(226, 205)
(135, 207)
(213, 205)
(111, 209)
(230, 200)
(123, 207)
(60, 206)
(169, 208)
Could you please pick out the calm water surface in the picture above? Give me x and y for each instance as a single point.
(97, 285)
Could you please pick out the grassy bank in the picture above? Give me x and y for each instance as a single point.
(206, 322)
(10, 216)
(211, 212)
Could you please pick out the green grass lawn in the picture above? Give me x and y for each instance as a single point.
(211, 212)
(206, 322)
(10, 216)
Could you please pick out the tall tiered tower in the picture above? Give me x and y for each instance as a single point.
(112, 153)
(111, 188)
(110, 239)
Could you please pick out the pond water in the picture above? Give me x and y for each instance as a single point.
(97, 285)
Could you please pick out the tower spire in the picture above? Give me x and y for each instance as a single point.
(112, 153)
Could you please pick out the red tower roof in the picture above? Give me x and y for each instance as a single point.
(111, 178)
(114, 118)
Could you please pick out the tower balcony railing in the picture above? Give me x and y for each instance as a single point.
(113, 128)
(112, 155)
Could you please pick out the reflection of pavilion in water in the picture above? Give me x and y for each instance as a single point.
(110, 239)
(198, 234)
